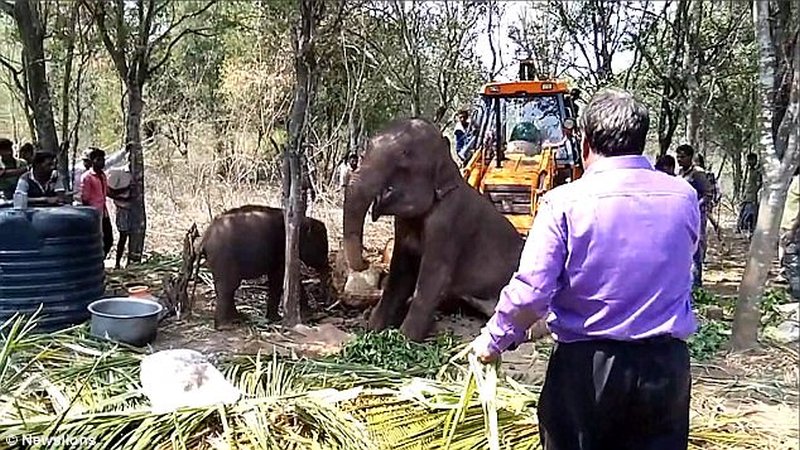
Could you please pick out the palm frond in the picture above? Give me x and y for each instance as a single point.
(75, 388)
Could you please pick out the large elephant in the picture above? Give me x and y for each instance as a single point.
(248, 242)
(450, 242)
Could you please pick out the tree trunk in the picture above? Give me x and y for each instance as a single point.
(736, 165)
(293, 217)
(490, 36)
(294, 204)
(32, 33)
(670, 109)
(762, 253)
(222, 156)
(779, 155)
(692, 122)
(667, 123)
(65, 90)
(691, 69)
(133, 142)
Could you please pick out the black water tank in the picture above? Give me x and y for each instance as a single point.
(50, 256)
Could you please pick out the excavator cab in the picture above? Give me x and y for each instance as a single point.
(523, 143)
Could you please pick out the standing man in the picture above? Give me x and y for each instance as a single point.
(122, 190)
(696, 177)
(790, 237)
(714, 197)
(460, 133)
(342, 175)
(11, 168)
(617, 301)
(752, 185)
(94, 189)
(77, 174)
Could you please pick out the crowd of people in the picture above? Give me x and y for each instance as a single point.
(33, 175)
(692, 169)
(690, 166)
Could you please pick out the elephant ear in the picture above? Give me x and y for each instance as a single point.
(445, 179)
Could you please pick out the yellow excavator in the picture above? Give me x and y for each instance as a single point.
(523, 142)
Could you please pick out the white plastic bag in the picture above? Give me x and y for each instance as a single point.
(178, 378)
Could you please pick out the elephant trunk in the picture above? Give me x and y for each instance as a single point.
(360, 193)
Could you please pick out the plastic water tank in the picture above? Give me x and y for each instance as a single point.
(52, 257)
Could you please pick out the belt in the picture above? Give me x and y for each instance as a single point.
(660, 339)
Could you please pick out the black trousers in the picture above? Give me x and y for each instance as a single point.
(108, 235)
(612, 395)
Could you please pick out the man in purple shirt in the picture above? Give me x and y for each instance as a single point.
(609, 263)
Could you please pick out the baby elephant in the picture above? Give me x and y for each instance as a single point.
(248, 242)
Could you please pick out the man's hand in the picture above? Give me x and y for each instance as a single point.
(482, 349)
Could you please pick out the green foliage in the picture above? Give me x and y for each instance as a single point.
(389, 349)
(710, 334)
(709, 339)
(701, 297)
(770, 314)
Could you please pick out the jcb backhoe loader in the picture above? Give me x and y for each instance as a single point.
(523, 142)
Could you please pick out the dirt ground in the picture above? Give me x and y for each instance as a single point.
(764, 382)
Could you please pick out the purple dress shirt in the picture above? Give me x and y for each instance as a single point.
(609, 256)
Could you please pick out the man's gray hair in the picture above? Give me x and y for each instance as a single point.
(615, 123)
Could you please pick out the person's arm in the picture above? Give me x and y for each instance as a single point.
(704, 191)
(119, 194)
(116, 159)
(6, 173)
(21, 168)
(60, 191)
(22, 186)
(528, 294)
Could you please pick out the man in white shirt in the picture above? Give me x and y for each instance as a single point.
(342, 175)
(77, 172)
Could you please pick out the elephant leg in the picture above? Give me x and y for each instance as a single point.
(225, 313)
(275, 287)
(403, 272)
(435, 275)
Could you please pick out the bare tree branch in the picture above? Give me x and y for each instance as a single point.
(168, 51)
(97, 10)
(159, 39)
(15, 73)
